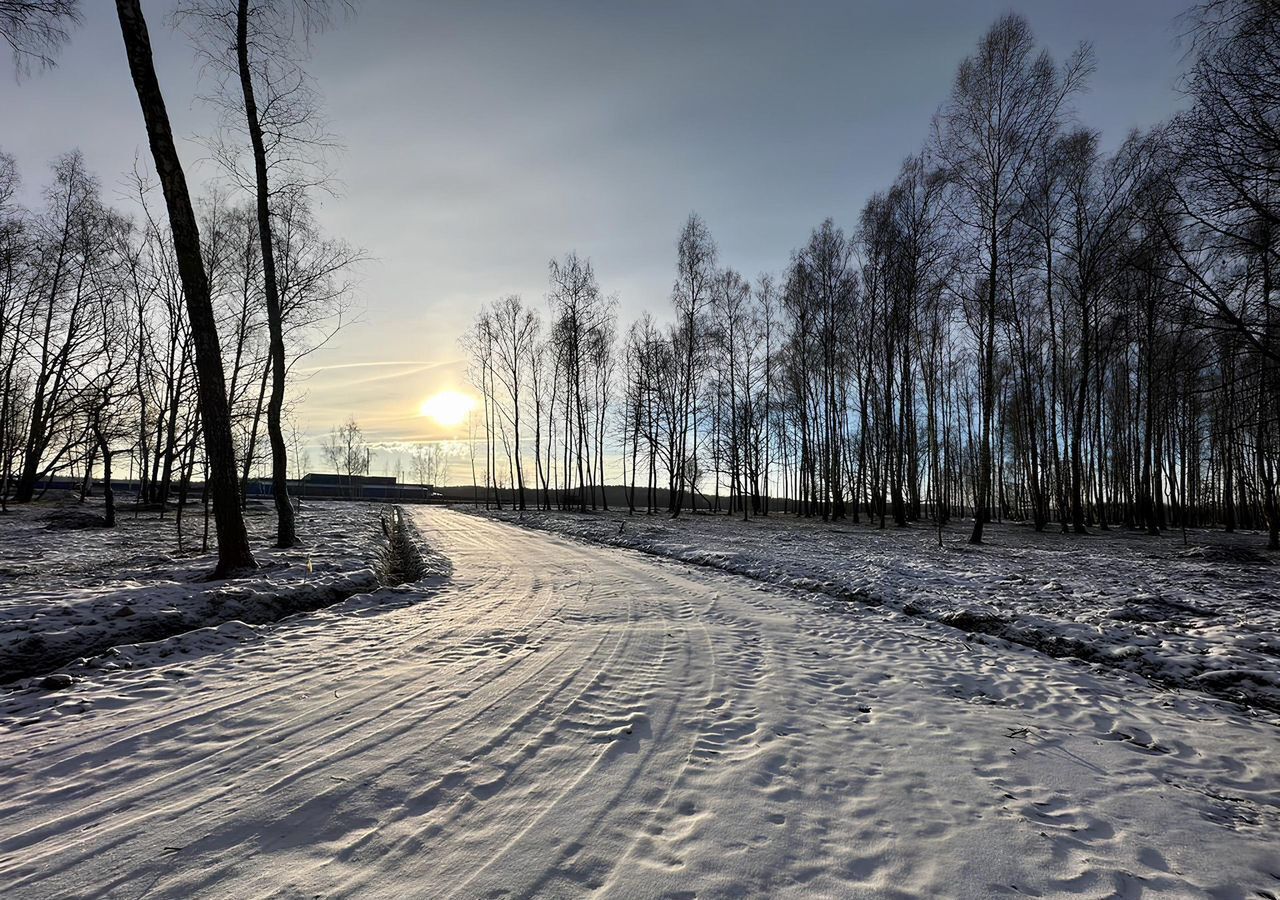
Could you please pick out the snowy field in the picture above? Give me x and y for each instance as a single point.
(559, 718)
(1202, 616)
(72, 591)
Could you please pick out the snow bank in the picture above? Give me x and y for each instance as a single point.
(73, 591)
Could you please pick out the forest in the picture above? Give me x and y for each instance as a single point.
(1023, 326)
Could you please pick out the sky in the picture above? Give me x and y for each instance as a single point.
(481, 139)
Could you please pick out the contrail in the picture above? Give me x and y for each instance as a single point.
(358, 365)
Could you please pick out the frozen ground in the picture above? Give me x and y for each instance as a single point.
(561, 718)
(72, 591)
(1204, 616)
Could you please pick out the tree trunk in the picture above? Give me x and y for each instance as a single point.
(286, 530)
(986, 396)
(108, 495)
(234, 554)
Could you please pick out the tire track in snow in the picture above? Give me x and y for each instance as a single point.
(302, 722)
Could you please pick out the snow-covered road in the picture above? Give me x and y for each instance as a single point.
(562, 717)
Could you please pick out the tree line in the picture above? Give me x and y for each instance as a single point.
(166, 338)
(1021, 326)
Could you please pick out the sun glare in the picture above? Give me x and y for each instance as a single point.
(447, 408)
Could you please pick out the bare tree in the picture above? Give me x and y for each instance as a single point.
(580, 314)
(1006, 100)
(234, 554)
(1228, 147)
(515, 332)
(35, 30)
(690, 295)
(280, 113)
(347, 451)
(14, 253)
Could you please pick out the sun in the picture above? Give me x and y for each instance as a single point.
(447, 408)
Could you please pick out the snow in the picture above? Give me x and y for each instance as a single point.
(72, 591)
(1204, 616)
(560, 718)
